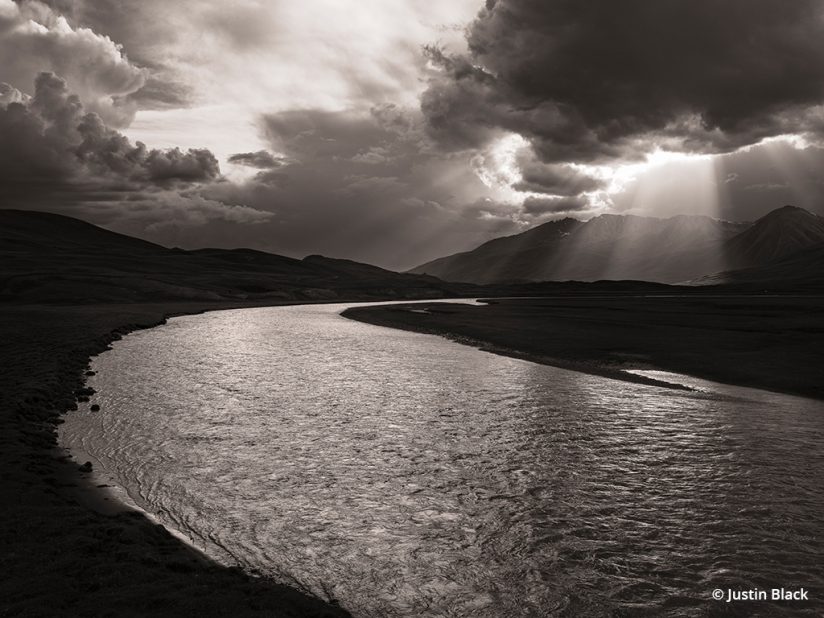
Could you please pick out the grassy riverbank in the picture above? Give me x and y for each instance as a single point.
(60, 557)
(769, 342)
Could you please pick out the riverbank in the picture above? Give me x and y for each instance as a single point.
(62, 554)
(768, 342)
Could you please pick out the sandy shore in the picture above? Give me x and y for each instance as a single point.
(768, 342)
(68, 549)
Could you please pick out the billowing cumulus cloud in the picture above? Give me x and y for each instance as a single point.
(35, 38)
(146, 32)
(57, 155)
(51, 137)
(593, 81)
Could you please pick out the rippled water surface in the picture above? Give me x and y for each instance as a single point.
(404, 474)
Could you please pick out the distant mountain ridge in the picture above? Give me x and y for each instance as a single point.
(52, 258)
(623, 247)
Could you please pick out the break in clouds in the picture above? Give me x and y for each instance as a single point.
(432, 131)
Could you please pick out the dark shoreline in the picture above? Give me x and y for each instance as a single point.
(62, 556)
(773, 343)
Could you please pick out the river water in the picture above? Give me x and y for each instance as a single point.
(407, 475)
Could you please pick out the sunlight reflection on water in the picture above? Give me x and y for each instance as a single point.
(404, 474)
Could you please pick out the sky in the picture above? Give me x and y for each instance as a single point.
(397, 131)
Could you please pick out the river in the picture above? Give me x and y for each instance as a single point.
(407, 475)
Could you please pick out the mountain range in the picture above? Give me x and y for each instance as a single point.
(53, 258)
(623, 247)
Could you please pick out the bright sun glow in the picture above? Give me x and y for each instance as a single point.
(649, 181)
(618, 177)
(498, 168)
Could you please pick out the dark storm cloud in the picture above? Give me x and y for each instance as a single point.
(593, 80)
(553, 178)
(262, 159)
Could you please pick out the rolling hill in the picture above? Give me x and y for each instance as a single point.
(52, 258)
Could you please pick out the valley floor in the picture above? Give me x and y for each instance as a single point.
(768, 342)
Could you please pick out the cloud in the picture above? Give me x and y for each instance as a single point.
(9, 94)
(262, 159)
(754, 181)
(35, 38)
(365, 186)
(317, 134)
(553, 178)
(162, 90)
(58, 156)
(279, 55)
(169, 214)
(52, 137)
(555, 206)
(605, 80)
(737, 186)
(319, 194)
